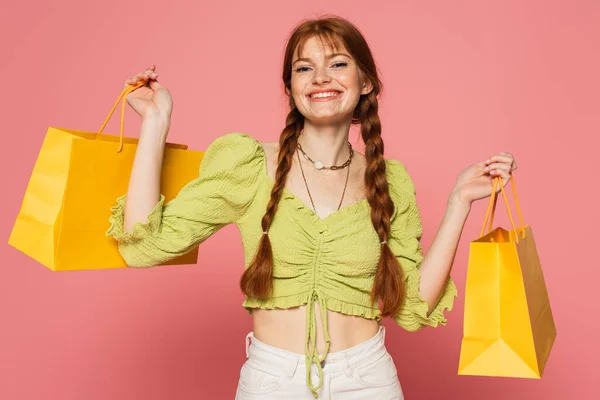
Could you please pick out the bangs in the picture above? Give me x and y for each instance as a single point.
(327, 38)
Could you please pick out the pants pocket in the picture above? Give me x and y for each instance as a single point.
(255, 379)
(379, 373)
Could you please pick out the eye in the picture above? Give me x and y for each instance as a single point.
(303, 69)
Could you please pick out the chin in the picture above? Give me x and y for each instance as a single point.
(327, 119)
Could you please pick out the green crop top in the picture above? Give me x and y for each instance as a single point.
(331, 261)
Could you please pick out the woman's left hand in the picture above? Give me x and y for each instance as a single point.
(475, 182)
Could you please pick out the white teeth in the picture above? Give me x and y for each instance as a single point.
(326, 94)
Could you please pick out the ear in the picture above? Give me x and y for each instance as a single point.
(367, 87)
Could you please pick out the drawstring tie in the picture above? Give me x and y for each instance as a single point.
(311, 341)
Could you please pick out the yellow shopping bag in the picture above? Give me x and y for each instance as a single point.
(76, 180)
(508, 326)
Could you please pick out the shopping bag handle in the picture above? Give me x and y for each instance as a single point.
(123, 96)
(492, 208)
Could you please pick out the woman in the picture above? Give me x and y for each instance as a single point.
(328, 232)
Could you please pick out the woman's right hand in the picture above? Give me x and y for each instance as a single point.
(152, 99)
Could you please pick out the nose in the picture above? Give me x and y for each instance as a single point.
(321, 75)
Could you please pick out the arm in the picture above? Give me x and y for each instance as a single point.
(144, 182)
(226, 186)
(437, 264)
(473, 183)
(153, 102)
(420, 307)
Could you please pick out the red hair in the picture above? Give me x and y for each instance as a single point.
(388, 284)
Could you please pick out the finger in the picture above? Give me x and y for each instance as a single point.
(501, 158)
(146, 76)
(150, 72)
(498, 173)
(497, 166)
(514, 162)
(505, 177)
(141, 77)
(149, 78)
(130, 82)
(155, 85)
(509, 161)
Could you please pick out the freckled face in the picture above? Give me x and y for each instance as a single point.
(320, 68)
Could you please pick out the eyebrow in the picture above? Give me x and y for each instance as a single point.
(327, 57)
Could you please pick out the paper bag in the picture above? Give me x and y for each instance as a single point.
(508, 325)
(76, 180)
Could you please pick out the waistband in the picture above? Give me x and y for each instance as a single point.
(290, 363)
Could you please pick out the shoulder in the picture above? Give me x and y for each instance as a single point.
(236, 158)
(234, 148)
(402, 191)
(398, 177)
(271, 149)
(235, 143)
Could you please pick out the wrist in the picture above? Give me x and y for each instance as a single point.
(457, 201)
(155, 125)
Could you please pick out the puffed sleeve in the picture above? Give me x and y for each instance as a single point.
(226, 185)
(404, 240)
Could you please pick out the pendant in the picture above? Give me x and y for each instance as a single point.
(319, 165)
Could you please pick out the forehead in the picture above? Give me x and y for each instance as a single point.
(317, 45)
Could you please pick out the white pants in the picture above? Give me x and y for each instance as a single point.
(365, 371)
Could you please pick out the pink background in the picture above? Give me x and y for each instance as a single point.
(463, 80)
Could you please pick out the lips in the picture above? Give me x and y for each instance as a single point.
(323, 91)
(328, 97)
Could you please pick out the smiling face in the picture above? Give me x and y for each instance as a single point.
(326, 83)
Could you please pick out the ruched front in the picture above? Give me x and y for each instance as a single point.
(330, 262)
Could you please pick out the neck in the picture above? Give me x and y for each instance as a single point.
(328, 144)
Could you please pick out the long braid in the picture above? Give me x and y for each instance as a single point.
(389, 280)
(388, 283)
(257, 279)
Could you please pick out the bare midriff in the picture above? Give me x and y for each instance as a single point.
(286, 329)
